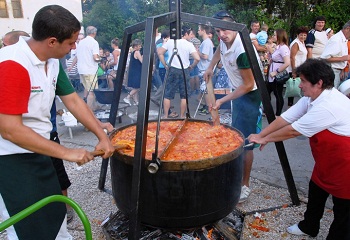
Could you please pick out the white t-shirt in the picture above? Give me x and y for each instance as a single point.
(329, 111)
(184, 47)
(321, 40)
(336, 46)
(252, 35)
(229, 61)
(206, 48)
(86, 64)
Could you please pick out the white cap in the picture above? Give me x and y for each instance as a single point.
(328, 30)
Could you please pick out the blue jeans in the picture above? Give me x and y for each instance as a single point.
(245, 113)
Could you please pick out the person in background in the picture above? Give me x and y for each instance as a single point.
(329, 32)
(323, 116)
(194, 78)
(134, 74)
(175, 78)
(298, 55)
(262, 37)
(255, 27)
(280, 60)
(29, 157)
(271, 46)
(336, 53)
(317, 38)
(205, 54)
(87, 60)
(13, 37)
(73, 52)
(346, 69)
(157, 97)
(245, 97)
(113, 64)
(165, 36)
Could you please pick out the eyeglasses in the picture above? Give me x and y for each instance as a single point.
(223, 14)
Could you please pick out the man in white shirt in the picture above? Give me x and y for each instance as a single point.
(205, 54)
(255, 27)
(87, 59)
(336, 53)
(175, 78)
(245, 99)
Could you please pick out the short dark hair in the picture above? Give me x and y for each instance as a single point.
(254, 22)
(319, 18)
(302, 29)
(206, 28)
(185, 29)
(136, 42)
(315, 70)
(165, 33)
(54, 21)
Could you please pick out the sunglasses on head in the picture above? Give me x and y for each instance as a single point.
(223, 14)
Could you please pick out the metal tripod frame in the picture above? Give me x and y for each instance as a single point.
(174, 18)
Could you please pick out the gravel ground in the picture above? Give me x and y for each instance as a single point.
(271, 202)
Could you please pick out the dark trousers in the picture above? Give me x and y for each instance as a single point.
(277, 90)
(340, 227)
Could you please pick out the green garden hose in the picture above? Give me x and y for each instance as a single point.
(36, 206)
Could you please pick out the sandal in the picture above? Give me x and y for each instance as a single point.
(70, 214)
(173, 115)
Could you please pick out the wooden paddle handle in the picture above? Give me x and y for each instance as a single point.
(212, 101)
(101, 152)
(97, 153)
(117, 147)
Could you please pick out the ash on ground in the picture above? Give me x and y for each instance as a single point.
(116, 227)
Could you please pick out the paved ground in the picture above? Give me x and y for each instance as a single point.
(266, 168)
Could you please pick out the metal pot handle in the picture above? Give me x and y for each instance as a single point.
(248, 144)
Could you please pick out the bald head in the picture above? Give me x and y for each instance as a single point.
(13, 37)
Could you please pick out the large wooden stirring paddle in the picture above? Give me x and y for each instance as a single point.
(212, 101)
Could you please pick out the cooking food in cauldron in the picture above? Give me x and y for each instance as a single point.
(195, 140)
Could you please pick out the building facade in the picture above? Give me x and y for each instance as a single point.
(19, 14)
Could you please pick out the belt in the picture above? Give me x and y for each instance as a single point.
(340, 69)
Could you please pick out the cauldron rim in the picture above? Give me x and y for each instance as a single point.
(183, 165)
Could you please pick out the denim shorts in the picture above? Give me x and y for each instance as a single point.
(176, 81)
(245, 113)
(195, 71)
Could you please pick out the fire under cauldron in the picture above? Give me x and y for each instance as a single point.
(182, 194)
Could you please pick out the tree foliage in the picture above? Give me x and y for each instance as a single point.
(105, 15)
(112, 16)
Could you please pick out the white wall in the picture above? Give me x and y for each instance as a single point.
(30, 8)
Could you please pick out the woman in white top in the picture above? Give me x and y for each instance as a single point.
(114, 63)
(298, 54)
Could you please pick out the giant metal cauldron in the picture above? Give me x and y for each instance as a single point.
(182, 194)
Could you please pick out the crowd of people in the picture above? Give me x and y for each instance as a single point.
(318, 57)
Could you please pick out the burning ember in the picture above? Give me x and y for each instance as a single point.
(116, 227)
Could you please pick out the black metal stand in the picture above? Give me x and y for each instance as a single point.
(174, 17)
